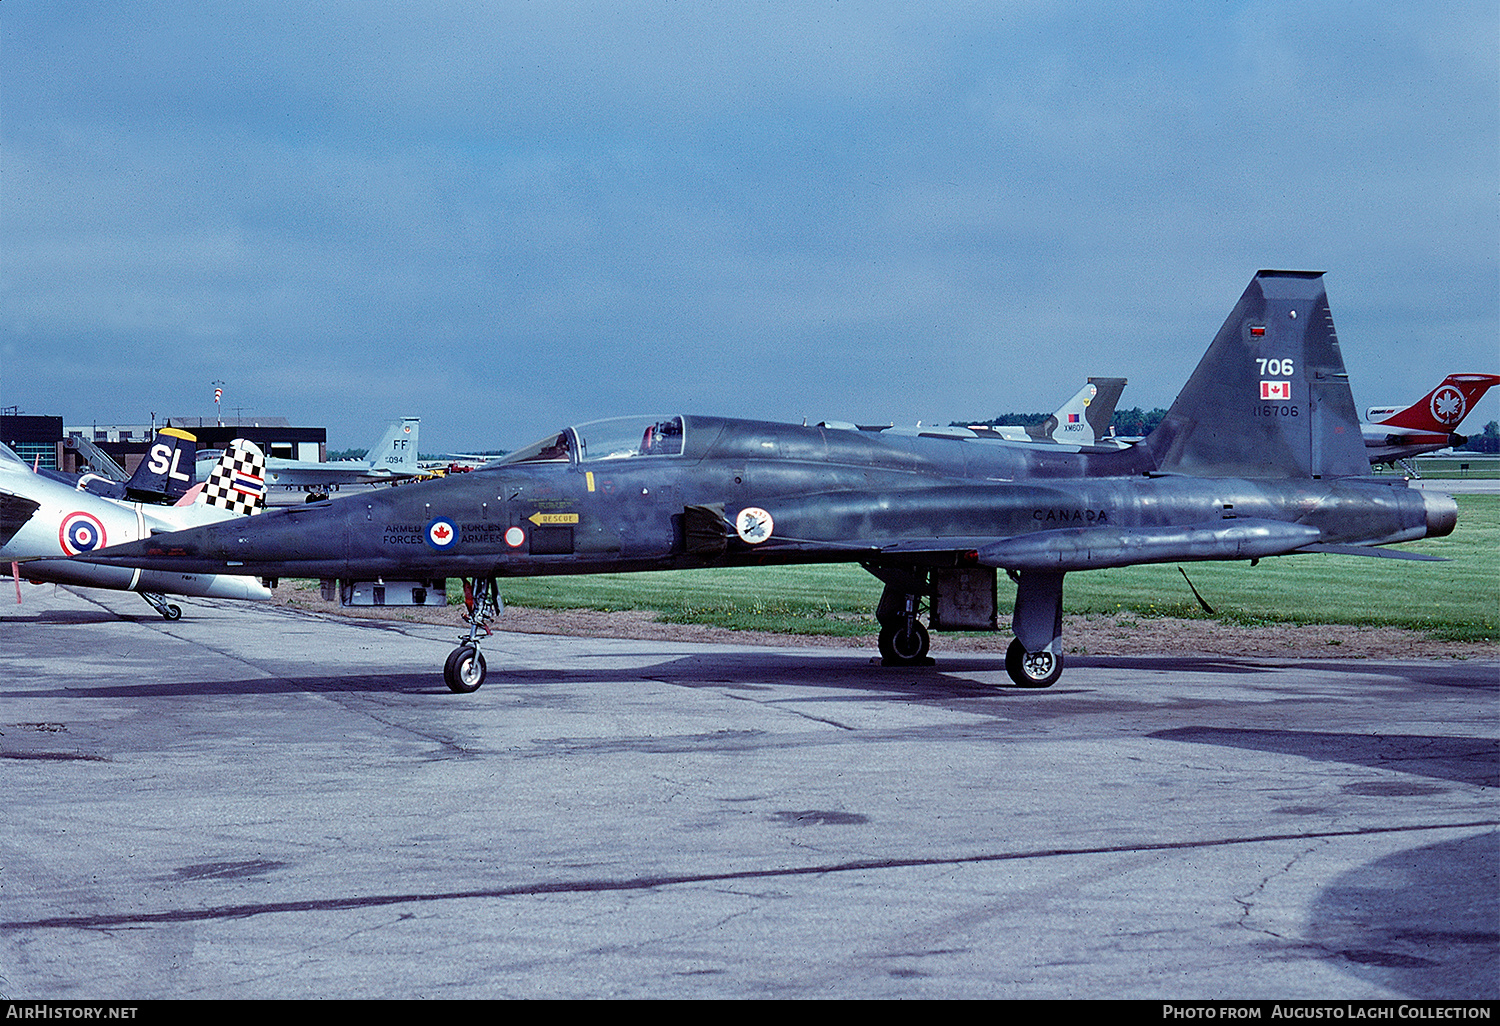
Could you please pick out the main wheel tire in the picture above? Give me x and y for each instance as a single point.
(464, 671)
(903, 646)
(1032, 669)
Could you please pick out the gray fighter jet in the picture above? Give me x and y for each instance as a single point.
(1260, 455)
(391, 459)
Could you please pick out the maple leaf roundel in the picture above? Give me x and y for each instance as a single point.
(441, 534)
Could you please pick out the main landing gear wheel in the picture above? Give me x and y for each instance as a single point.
(464, 671)
(904, 645)
(1032, 669)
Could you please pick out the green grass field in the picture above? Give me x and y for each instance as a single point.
(1456, 600)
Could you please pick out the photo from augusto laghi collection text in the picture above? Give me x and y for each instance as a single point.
(1332, 1010)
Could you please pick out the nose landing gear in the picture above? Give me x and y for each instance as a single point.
(158, 602)
(465, 669)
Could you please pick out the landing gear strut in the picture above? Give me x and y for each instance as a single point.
(1034, 659)
(464, 671)
(157, 601)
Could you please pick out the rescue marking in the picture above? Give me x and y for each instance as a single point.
(553, 518)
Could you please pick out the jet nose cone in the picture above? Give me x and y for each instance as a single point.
(1442, 514)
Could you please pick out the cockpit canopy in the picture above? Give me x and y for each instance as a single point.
(615, 439)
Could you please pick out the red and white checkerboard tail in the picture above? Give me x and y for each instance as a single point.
(238, 481)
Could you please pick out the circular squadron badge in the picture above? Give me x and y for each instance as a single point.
(753, 525)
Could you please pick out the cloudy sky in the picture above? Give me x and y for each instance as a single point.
(504, 217)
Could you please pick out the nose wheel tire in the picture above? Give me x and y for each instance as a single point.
(464, 671)
(1032, 669)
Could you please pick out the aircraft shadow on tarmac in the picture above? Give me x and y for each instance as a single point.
(393, 683)
(853, 674)
(1464, 760)
(1421, 922)
(838, 674)
(72, 616)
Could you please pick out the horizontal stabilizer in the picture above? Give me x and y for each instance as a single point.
(1095, 548)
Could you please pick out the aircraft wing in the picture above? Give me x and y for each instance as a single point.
(319, 475)
(15, 511)
(1095, 548)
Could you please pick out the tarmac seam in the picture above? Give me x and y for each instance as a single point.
(245, 911)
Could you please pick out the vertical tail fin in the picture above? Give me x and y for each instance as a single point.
(1442, 409)
(167, 471)
(1083, 419)
(396, 452)
(238, 481)
(1270, 398)
(1101, 410)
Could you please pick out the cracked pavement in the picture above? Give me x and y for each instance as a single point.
(256, 803)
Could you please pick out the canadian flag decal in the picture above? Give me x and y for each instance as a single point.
(1275, 389)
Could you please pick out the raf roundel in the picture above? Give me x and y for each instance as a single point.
(441, 534)
(80, 532)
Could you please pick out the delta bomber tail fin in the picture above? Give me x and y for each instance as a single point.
(1270, 398)
(237, 482)
(1083, 419)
